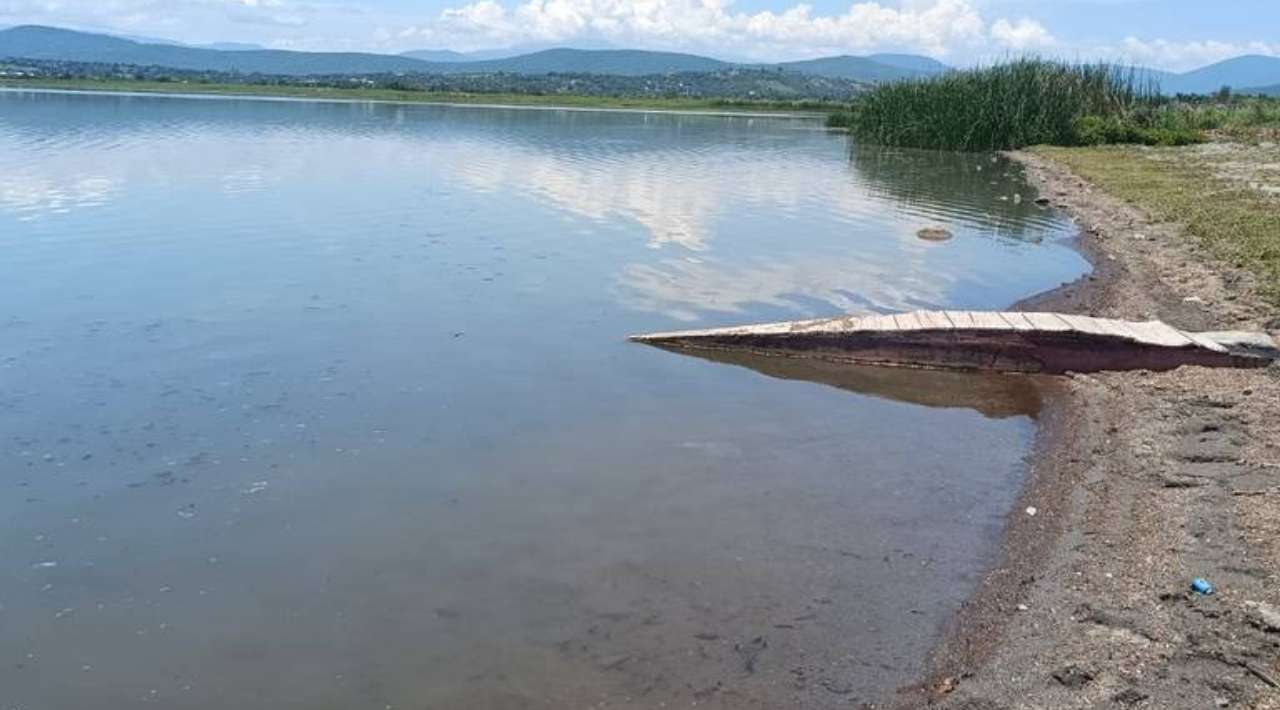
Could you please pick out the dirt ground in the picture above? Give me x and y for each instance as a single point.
(1141, 483)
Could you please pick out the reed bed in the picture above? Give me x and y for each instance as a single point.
(1016, 104)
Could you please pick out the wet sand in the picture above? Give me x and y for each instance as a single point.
(1141, 483)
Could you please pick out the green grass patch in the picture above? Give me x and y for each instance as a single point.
(1239, 225)
(1037, 102)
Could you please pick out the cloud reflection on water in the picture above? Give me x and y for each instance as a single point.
(30, 196)
(728, 208)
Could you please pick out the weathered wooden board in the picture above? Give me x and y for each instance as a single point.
(934, 320)
(987, 340)
(988, 321)
(1017, 321)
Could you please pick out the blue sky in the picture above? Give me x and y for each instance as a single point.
(1176, 34)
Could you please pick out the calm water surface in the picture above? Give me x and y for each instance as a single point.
(319, 405)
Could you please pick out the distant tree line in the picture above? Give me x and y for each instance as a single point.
(737, 83)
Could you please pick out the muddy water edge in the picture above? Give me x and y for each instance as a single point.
(1140, 483)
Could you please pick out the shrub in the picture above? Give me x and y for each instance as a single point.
(1107, 130)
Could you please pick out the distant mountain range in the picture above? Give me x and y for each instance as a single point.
(35, 42)
(50, 43)
(618, 62)
(232, 46)
(482, 55)
(438, 55)
(874, 68)
(1246, 73)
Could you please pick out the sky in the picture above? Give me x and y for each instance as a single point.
(1170, 34)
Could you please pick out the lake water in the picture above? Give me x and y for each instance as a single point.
(324, 405)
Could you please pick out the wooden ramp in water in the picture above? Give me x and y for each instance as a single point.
(1050, 343)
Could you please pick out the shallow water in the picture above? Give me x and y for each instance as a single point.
(321, 405)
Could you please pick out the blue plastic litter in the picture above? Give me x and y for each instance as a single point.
(1201, 585)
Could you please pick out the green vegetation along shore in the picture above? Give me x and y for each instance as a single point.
(1227, 195)
(426, 97)
(1036, 102)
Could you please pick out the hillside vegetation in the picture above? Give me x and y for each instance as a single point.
(735, 88)
(55, 44)
(1036, 102)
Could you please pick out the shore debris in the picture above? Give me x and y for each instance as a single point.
(1202, 586)
(1261, 674)
(612, 663)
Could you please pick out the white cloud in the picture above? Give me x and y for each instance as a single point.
(937, 27)
(1186, 55)
(954, 30)
(1025, 35)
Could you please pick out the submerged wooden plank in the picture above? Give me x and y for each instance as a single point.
(878, 323)
(1047, 322)
(1084, 324)
(1157, 333)
(982, 340)
(907, 321)
(1017, 321)
(1202, 341)
(960, 319)
(934, 320)
(826, 325)
(1117, 329)
(988, 320)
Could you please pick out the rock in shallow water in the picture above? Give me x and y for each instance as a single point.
(934, 234)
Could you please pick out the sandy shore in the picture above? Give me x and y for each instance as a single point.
(1141, 482)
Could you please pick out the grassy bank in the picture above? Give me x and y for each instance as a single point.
(1227, 196)
(408, 96)
(1035, 102)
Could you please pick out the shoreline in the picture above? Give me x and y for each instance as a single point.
(1139, 482)
(534, 103)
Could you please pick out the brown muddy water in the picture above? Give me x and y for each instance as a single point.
(321, 405)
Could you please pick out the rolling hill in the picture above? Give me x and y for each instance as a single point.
(1239, 73)
(54, 44)
(617, 62)
(232, 46)
(49, 43)
(436, 55)
(862, 68)
(911, 62)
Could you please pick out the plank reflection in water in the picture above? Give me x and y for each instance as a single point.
(993, 395)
